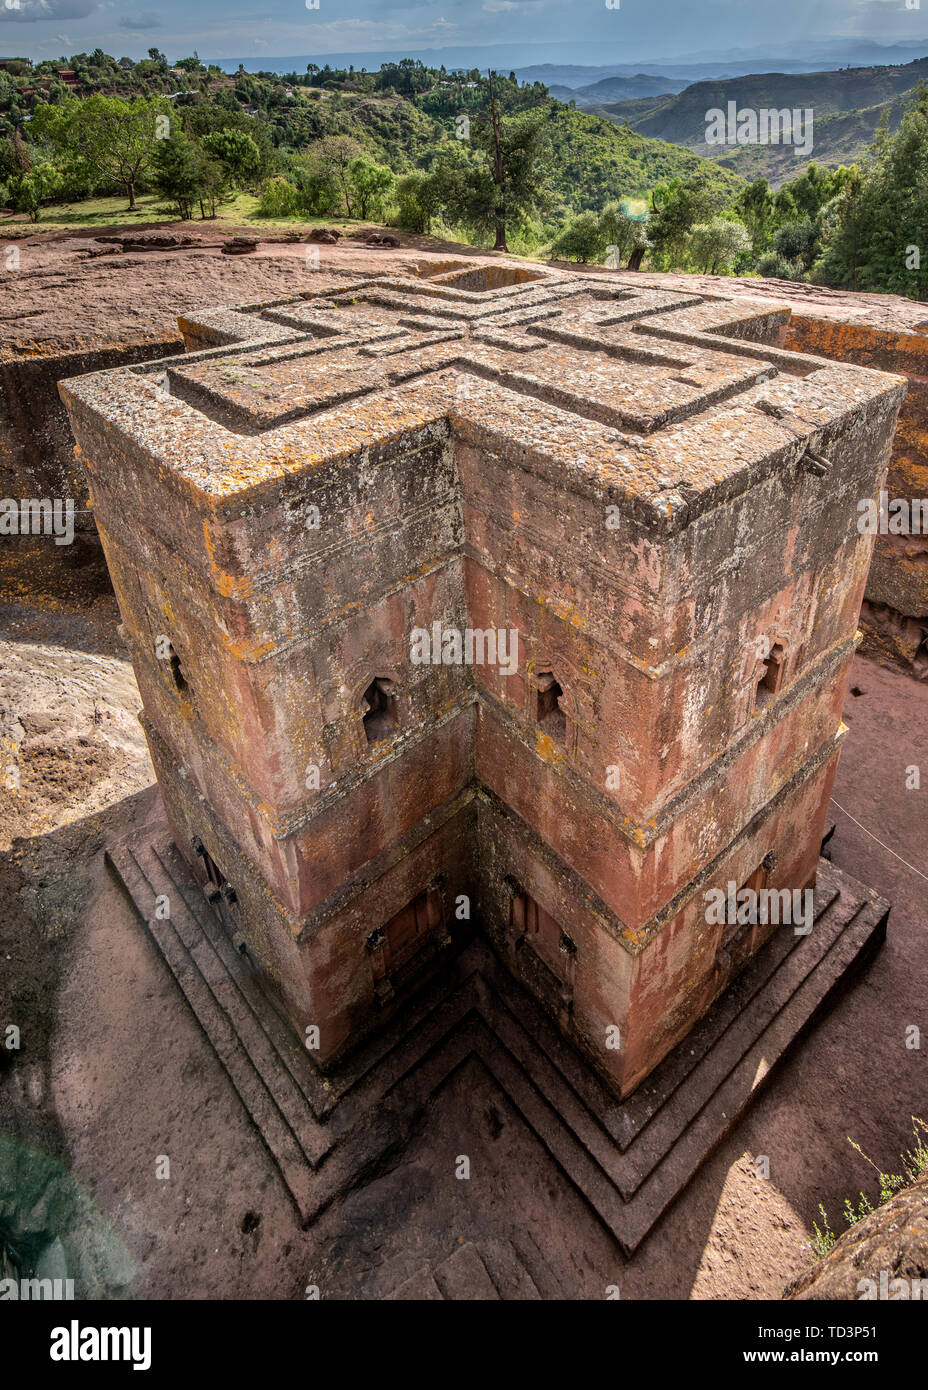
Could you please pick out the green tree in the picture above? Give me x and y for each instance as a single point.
(14, 156)
(371, 185)
(798, 242)
(416, 201)
(236, 152)
(716, 245)
(215, 185)
(103, 139)
(223, 113)
(620, 229)
(677, 207)
(27, 190)
(510, 184)
(279, 198)
(755, 205)
(178, 172)
(580, 239)
(874, 229)
(8, 163)
(328, 169)
(773, 266)
(815, 187)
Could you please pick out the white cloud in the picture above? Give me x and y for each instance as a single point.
(31, 11)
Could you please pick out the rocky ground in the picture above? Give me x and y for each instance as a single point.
(113, 1071)
(891, 1242)
(881, 311)
(132, 294)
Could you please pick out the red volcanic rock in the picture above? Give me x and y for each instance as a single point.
(649, 502)
(240, 246)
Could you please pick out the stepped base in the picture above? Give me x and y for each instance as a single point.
(629, 1159)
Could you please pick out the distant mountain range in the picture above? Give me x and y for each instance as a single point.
(586, 83)
(643, 84)
(847, 107)
(580, 64)
(852, 89)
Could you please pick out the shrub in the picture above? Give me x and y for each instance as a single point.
(27, 191)
(371, 185)
(279, 198)
(776, 267)
(412, 202)
(914, 1162)
(581, 239)
(715, 246)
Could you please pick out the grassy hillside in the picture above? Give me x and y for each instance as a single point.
(847, 107)
(393, 129)
(839, 139)
(403, 117)
(595, 160)
(591, 159)
(619, 89)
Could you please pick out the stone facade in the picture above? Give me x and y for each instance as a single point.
(657, 502)
(883, 331)
(888, 333)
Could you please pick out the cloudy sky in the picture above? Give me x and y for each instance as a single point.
(546, 30)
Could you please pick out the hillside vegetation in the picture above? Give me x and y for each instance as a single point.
(404, 118)
(486, 160)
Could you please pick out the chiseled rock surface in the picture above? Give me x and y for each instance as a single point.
(464, 441)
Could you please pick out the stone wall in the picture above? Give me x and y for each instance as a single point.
(895, 614)
(891, 334)
(659, 501)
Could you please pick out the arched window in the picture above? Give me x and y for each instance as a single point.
(379, 704)
(549, 710)
(771, 676)
(177, 674)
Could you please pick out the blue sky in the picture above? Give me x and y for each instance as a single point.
(670, 30)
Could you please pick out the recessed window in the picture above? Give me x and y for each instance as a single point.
(177, 674)
(380, 720)
(551, 716)
(400, 946)
(213, 872)
(216, 882)
(771, 677)
(406, 931)
(547, 951)
(528, 918)
(755, 884)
